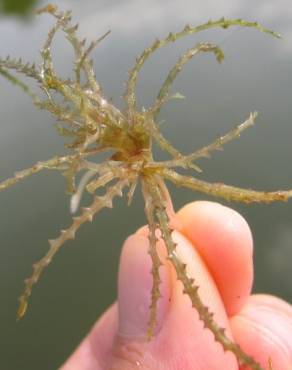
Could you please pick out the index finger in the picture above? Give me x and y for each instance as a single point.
(227, 251)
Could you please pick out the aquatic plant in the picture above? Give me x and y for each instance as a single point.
(95, 125)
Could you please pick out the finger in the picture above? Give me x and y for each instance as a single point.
(180, 341)
(224, 241)
(95, 350)
(264, 330)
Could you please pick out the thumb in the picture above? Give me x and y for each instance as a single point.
(180, 341)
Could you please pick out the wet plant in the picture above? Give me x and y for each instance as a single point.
(127, 137)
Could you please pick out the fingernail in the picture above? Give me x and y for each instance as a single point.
(134, 289)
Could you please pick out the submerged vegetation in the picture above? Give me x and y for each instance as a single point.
(96, 126)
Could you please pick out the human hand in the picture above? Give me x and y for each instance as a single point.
(216, 243)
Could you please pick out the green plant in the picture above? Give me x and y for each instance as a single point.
(96, 125)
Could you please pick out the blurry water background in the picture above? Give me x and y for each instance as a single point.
(81, 282)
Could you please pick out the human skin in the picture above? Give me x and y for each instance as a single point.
(216, 243)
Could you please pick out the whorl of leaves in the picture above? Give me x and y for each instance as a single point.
(95, 125)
